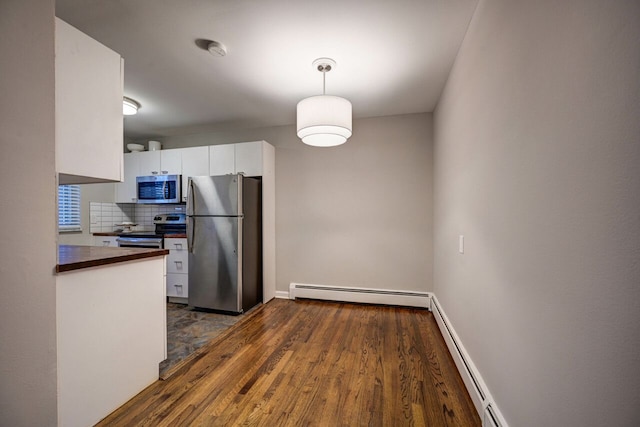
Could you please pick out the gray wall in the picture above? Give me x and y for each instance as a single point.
(537, 163)
(355, 215)
(28, 213)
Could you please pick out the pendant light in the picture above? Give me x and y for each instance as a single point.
(324, 120)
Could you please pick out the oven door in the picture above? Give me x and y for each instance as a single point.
(140, 242)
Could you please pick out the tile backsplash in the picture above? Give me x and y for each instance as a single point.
(106, 216)
(144, 213)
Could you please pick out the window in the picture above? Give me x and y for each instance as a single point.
(69, 208)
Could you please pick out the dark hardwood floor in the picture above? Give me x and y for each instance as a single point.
(313, 363)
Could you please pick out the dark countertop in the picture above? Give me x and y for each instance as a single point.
(78, 257)
(168, 235)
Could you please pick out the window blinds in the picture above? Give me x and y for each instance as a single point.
(69, 208)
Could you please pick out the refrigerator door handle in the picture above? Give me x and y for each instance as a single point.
(191, 225)
(190, 201)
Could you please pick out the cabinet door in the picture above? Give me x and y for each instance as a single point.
(249, 158)
(170, 162)
(149, 163)
(222, 159)
(126, 191)
(88, 99)
(195, 162)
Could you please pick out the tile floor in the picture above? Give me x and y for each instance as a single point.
(188, 330)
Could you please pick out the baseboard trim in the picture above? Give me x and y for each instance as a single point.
(360, 295)
(480, 395)
(282, 294)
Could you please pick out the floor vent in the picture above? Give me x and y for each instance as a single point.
(484, 403)
(361, 295)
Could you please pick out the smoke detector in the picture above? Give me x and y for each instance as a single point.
(216, 48)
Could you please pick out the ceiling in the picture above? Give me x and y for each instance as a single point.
(393, 57)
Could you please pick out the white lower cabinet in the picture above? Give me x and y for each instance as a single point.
(177, 268)
(177, 285)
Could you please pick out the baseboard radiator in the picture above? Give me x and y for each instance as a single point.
(360, 295)
(484, 403)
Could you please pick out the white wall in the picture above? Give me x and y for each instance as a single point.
(355, 215)
(537, 163)
(28, 213)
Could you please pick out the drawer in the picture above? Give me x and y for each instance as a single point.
(177, 245)
(177, 285)
(177, 262)
(105, 241)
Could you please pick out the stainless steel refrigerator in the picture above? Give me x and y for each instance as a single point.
(224, 234)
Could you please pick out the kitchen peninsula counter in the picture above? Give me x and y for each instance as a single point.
(72, 257)
(111, 327)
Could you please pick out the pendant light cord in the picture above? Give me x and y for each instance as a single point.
(324, 84)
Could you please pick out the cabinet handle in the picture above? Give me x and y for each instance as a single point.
(178, 263)
(154, 172)
(178, 245)
(133, 199)
(165, 172)
(105, 243)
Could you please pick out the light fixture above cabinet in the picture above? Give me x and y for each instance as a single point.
(129, 106)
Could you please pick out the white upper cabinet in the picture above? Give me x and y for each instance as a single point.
(195, 162)
(126, 190)
(89, 122)
(170, 162)
(243, 158)
(249, 158)
(222, 159)
(160, 162)
(149, 163)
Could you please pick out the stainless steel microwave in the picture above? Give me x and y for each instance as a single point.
(158, 189)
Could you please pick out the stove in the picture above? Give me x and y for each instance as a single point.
(165, 224)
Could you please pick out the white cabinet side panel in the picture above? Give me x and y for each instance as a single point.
(268, 221)
(111, 327)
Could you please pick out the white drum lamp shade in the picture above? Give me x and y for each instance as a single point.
(324, 120)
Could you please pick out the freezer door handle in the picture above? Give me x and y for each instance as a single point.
(190, 201)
